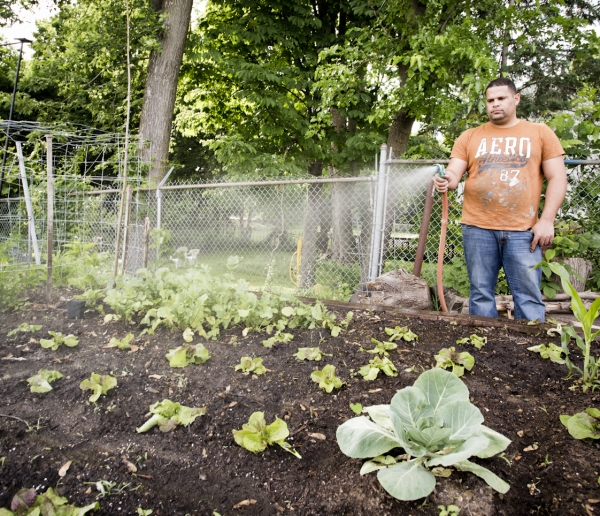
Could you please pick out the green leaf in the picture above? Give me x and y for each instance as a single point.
(407, 481)
(356, 407)
(326, 378)
(360, 438)
(24, 327)
(168, 414)
(582, 426)
(99, 384)
(41, 381)
(490, 478)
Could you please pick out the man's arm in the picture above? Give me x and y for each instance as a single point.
(556, 175)
(454, 172)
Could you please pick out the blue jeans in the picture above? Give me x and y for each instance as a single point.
(486, 250)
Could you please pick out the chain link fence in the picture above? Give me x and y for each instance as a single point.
(323, 237)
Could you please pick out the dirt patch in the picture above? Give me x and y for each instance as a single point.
(200, 469)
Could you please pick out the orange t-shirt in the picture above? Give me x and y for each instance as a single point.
(504, 183)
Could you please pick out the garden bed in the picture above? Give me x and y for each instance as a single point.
(200, 469)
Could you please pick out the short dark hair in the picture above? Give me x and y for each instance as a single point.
(502, 81)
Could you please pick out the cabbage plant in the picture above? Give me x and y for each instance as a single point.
(436, 425)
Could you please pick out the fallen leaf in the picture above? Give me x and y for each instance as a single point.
(321, 437)
(244, 503)
(373, 391)
(65, 467)
(89, 490)
(232, 404)
(150, 389)
(245, 331)
(278, 507)
(130, 466)
(518, 457)
(302, 406)
(155, 376)
(533, 447)
(520, 433)
(16, 359)
(594, 500)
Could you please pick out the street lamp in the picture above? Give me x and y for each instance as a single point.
(22, 41)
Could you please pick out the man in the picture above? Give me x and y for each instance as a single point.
(507, 160)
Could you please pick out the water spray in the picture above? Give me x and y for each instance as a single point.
(441, 171)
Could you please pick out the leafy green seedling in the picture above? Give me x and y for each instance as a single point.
(401, 333)
(58, 339)
(124, 343)
(278, 337)
(381, 348)
(41, 381)
(24, 327)
(583, 425)
(144, 512)
(256, 435)
(474, 339)
(326, 378)
(551, 351)
(356, 407)
(98, 383)
(26, 503)
(449, 358)
(436, 425)
(450, 510)
(168, 414)
(251, 365)
(370, 371)
(188, 335)
(310, 354)
(187, 354)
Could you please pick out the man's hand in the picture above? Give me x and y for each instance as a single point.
(543, 234)
(452, 176)
(441, 183)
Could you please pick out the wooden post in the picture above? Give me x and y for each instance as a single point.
(128, 197)
(50, 215)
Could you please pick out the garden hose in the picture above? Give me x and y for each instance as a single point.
(440, 265)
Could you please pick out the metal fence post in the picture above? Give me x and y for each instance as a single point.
(50, 215)
(31, 220)
(378, 216)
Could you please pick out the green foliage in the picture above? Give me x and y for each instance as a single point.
(551, 351)
(356, 407)
(436, 425)
(591, 364)
(205, 303)
(279, 336)
(401, 333)
(473, 339)
(100, 384)
(251, 365)
(42, 380)
(583, 425)
(187, 354)
(168, 414)
(450, 510)
(26, 503)
(326, 378)
(57, 339)
(456, 276)
(370, 371)
(14, 283)
(381, 348)
(449, 358)
(256, 435)
(571, 240)
(124, 343)
(25, 327)
(310, 354)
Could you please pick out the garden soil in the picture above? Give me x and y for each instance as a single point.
(200, 470)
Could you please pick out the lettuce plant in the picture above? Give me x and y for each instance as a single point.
(251, 365)
(41, 381)
(370, 371)
(435, 424)
(583, 425)
(25, 327)
(401, 333)
(168, 414)
(449, 358)
(58, 339)
(326, 378)
(124, 343)
(256, 435)
(381, 348)
(473, 339)
(27, 503)
(551, 351)
(187, 354)
(98, 383)
(310, 354)
(279, 336)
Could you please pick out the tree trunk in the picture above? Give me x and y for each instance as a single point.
(161, 88)
(312, 221)
(399, 133)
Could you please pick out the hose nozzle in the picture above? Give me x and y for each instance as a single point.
(440, 170)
